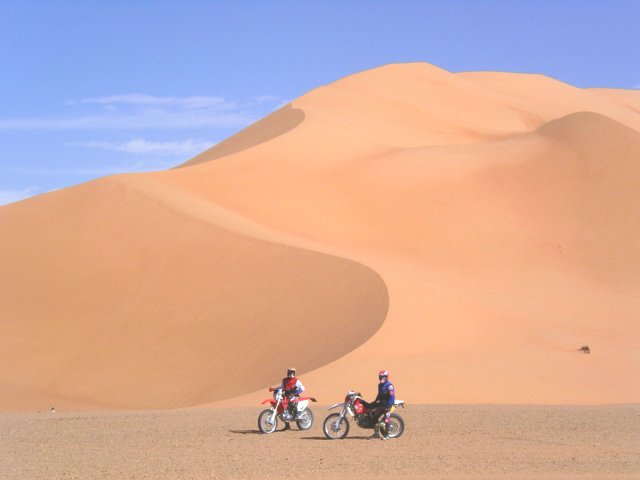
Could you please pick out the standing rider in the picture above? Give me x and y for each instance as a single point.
(383, 404)
(292, 387)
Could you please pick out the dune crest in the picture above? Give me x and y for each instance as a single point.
(272, 126)
(467, 231)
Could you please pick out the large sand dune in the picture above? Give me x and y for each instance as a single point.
(469, 232)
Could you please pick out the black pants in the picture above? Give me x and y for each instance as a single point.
(377, 410)
(292, 407)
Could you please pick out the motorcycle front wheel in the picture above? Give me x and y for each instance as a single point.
(264, 421)
(305, 420)
(334, 427)
(395, 427)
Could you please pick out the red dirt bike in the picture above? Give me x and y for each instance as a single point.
(336, 425)
(282, 408)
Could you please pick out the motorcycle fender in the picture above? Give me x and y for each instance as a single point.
(302, 405)
(335, 405)
(268, 401)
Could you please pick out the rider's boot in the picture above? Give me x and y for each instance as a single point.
(287, 426)
(384, 432)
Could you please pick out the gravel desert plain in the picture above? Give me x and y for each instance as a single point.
(473, 233)
(457, 442)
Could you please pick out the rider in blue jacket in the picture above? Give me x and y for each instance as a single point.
(383, 402)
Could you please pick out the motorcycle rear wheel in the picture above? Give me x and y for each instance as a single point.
(305, 420)
(335, 428)
(395, 427)
(264, 421)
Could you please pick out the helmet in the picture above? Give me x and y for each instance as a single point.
(383, 374)
(291, 372)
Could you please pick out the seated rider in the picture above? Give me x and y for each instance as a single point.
(292, 387)
(383, 403)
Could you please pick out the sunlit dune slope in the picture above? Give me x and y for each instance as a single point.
(503, 255)
(502, 259)
(469, 232)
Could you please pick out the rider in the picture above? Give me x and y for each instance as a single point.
(292, 387)
(383, 404)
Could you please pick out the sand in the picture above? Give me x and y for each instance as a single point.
(456, 442)
(468, 232)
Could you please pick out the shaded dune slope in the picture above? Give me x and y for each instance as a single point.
(120, 301)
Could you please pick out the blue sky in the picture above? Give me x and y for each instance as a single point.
(92, 88)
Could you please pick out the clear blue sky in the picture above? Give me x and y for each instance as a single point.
(90, 88)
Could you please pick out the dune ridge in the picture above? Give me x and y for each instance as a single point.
(274, 125)
(469, 232)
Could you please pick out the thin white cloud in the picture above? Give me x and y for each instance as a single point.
(141, 146)
(266, 99)
(140, 111)
(142, 99)
(99, 171)
(157, 119)
(11, 196)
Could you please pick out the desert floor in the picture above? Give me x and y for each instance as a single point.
(463, 441)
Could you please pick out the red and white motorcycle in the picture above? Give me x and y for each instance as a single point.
(287, 411)
(336, 425)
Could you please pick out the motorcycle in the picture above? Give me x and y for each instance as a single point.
(286, 410)
(336, 425)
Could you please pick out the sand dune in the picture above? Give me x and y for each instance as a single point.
(129, 302)
(468, 232)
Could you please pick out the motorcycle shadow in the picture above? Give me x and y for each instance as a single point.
(247, 432)
(342, 439)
